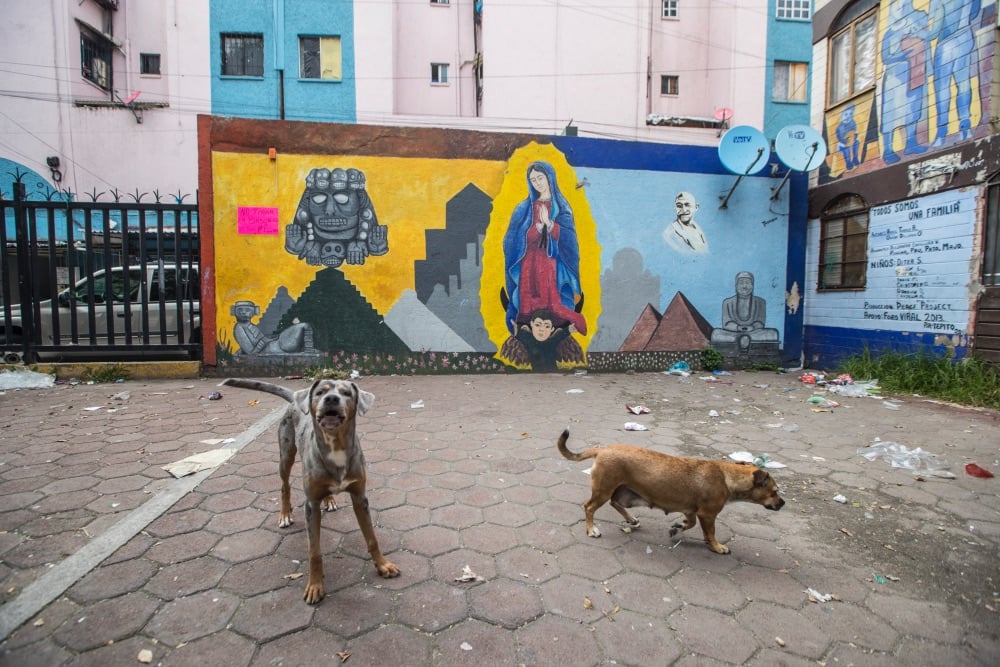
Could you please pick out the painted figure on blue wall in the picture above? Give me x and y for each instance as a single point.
(952, 27)
(542, 256)
(685, 235)
(541, 344)
(335, 220)
(847, 138)
(904, 77)
(744, 319)
(296, 339)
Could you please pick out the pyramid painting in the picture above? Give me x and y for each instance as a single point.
(681, 328)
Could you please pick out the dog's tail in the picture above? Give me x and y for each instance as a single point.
(582, 456)
(257, 385)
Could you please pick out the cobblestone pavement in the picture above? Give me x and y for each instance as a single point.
(104, 556)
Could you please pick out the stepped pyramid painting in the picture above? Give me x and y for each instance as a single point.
(681, 328)
(341, 318)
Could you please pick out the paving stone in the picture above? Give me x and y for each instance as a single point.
(41, 654)
(236, 521)
(113, 580)
(355, 610)
(183, 547)
(186, 619)
(712, 634)
(473, 643)
(312, 646)
(222, 648)
(106, 621)
(525, 563)
(916, 617)
(555, 640)
(187, 578)
(431, 606)
(431, 540)
(505, 602)
(635, 639)
(582, 600)
(391, 645)
(246, 545)
(267, 574)
(644, 594)
(272, 614)
(802, 637)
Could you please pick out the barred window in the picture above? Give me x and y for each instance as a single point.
(242, 54)
(95, 60)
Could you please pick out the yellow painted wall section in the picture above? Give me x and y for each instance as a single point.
(409, 196)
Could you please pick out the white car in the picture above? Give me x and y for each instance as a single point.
(149, 306)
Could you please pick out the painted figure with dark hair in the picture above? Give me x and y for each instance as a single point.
(335, 221)
(542, 345)
(542, 255)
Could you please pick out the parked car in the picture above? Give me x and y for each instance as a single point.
(143, 307)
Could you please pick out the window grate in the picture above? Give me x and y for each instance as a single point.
(242, 54)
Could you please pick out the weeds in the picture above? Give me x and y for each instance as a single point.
(105, 373)
(970, 381)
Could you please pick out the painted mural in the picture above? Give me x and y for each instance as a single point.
(931, 88)
(917, 291)
(562, 256)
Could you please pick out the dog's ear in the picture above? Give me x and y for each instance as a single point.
(303, 399)
(365, 399)
(761, 477)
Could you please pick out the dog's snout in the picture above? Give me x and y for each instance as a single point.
(776, 506)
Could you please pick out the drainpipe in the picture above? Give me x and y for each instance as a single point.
(279, 53)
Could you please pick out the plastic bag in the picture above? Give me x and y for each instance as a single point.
(901, 456)
(856, 389)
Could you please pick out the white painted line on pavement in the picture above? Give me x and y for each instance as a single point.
(37, 595)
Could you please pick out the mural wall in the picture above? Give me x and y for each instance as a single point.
(934, 63)
(404, 250)
(917, 293)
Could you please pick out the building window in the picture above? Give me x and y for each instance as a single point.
(670, 84)
(790, 81)
(320, 58)
(439, 2)
(852, 58)
(242, 54)
(439, 73)
(794, 9)
(843, 245)
(95, 60)
(668, 9)
(149, 63)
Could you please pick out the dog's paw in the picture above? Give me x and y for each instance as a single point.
(329, 504)
(594, 532)
(387, 570)
(676, 528)
(313, 593)
(285, 520)
(719, 548)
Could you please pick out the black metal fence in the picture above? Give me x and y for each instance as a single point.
(99, 280)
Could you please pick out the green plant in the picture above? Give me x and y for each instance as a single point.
(105, 373)
(970, 381)
(317, 373)
(711, 359)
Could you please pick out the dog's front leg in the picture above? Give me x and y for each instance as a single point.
(286, 451)
(315, 590)
(360, 503)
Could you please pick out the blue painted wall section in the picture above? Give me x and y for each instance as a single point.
(282, 22)
(788, 40)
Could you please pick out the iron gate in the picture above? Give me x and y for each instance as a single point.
(99, 280)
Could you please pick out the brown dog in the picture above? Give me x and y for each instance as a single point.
(321, 422)
(631, 476)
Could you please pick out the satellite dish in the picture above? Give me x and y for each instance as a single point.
(132, 98)
(800, 147)
(722, 114)
(744, 150)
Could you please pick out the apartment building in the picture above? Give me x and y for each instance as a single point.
(102, 95)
